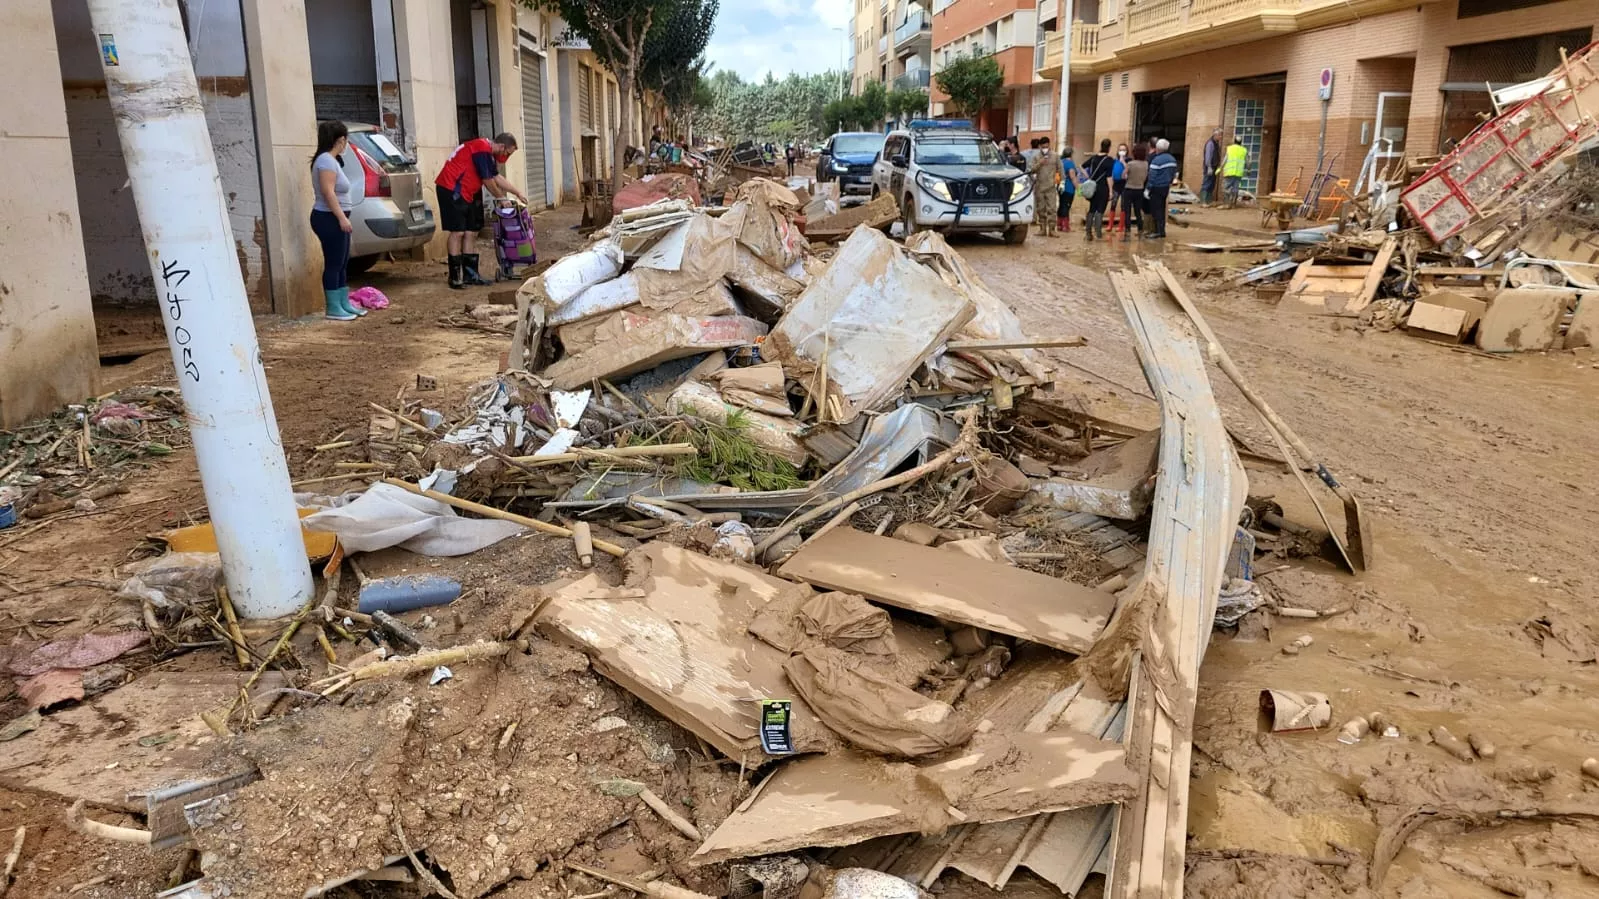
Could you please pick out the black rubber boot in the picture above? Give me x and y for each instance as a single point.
(455, 274)
(469, 273)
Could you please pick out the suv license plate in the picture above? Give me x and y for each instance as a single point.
(982, 210)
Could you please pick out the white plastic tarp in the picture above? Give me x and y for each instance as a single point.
(875, 315)
(386, 516)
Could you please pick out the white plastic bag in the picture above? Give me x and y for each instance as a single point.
(580, 271)
(386, 516)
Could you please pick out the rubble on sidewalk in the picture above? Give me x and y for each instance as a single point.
(804, 552)
(1432, 246)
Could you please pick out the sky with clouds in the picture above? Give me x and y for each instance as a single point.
(754, 37)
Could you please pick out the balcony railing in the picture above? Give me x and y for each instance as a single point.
(1152, 18)
(915, 79)
(1085, 41)
(915, 25)
(882, 45)
(1085, 48)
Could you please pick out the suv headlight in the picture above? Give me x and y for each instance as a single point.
(840, 167)
(938, 187)
(1020, 188)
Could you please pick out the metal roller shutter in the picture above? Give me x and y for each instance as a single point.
(533, 127)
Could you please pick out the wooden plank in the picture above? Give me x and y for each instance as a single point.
(1192, 521)
(845, 798)
(955, 587)
(1040, 343)
(1379, 267)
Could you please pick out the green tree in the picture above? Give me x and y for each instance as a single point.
(974, 84)
(906, 104)
(674, 52)
(874, 105)
(620, 34)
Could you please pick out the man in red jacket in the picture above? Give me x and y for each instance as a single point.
(474, 165)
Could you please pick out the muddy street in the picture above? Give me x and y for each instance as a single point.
(1472, 617)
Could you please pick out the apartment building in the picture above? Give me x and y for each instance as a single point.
(429, 73)
(1004, 29)
(911, 45)
(1341, 81)
(870, 47)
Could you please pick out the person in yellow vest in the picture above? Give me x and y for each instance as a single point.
(1233, 167)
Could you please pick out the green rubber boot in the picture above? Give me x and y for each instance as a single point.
(336, 310)
(344, 297)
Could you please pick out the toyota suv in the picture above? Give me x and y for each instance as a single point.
(848, 159)
(949, 177)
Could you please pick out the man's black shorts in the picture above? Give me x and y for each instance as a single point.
(458, 214)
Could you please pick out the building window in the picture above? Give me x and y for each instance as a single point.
(1043, 102)
(1018, 102)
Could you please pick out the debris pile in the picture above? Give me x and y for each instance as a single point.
(80, 456)
(1494, 244)
(837, 589)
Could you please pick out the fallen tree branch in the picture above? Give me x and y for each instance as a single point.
(422, 661)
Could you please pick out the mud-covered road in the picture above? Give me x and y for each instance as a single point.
(1479, 475)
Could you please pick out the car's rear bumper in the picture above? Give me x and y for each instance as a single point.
(383, 227)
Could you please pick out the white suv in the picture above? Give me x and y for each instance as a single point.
(949, 177)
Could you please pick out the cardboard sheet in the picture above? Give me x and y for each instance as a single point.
(846, 798)
(679, 640)
(954, 587)
(651, 342)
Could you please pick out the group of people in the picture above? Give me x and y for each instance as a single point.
(473, 167)
(1135, 182)
(1229, 165)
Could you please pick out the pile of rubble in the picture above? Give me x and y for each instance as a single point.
(869, 604)
(1502, 246)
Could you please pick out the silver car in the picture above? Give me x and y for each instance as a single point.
(388, 213)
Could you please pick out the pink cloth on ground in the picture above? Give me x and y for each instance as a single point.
(369, 298)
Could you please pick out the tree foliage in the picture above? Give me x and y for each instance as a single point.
(645, 43)
(907, 103)
(796, 107)
(674, 52)
(974, 84)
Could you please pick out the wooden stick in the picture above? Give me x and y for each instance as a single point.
(403, 420)
(962, 446)
(682, 824)
(12, 858)
(554, 530)
(338, 444)
(232, 618)
(834, 522)
(92, 828)
(423, 661)
(1040, 343)
(354, 476)
(621, 452)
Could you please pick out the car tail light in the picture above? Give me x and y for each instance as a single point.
(377, 181)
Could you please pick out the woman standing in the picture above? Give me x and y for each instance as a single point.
(1069, 176)
(1118, 182)
(1098, 169)
(330, 219)
(1133, 192)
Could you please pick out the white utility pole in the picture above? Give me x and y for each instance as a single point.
(178, 193)
(1063, 22)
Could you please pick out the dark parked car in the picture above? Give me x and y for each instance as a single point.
(848, 159)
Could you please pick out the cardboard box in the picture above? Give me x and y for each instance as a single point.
(1446, 315)
(647, 341)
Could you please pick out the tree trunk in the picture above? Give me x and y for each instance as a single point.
(624, 122)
